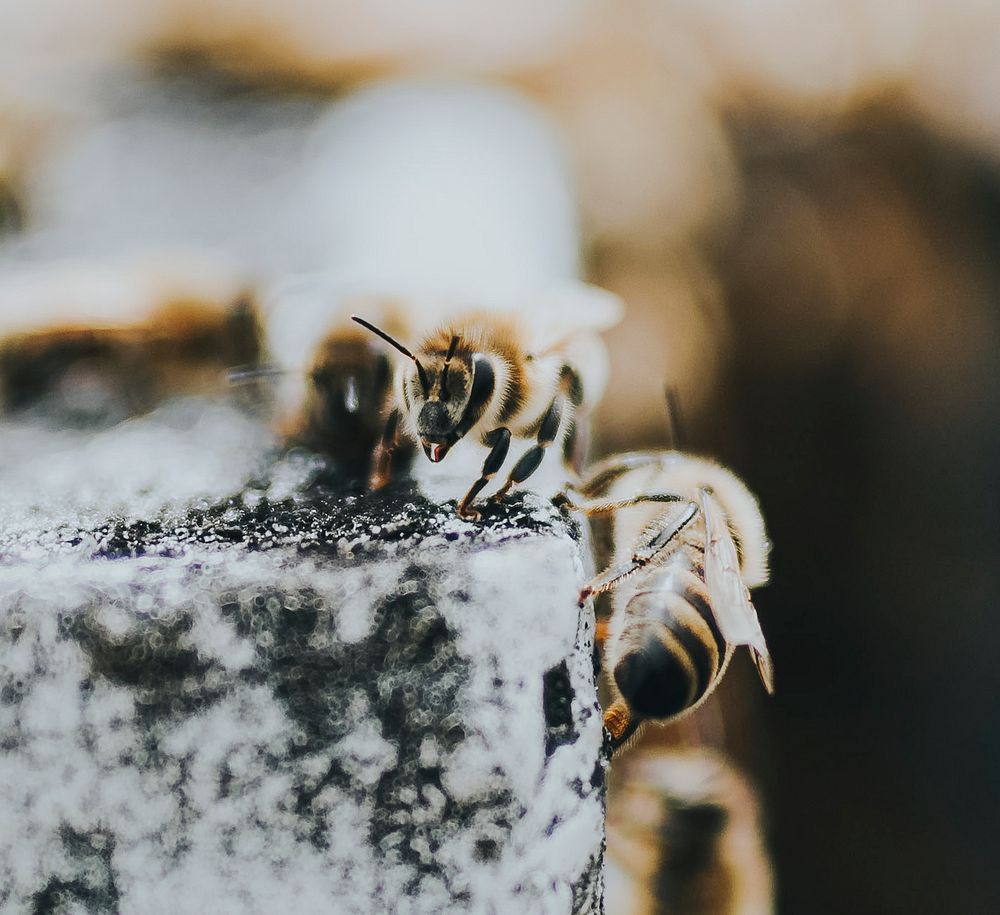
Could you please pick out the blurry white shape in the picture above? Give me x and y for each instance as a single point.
(108, 292)
(558, 311)
(163, 167)
(440, 190)
(447, 189)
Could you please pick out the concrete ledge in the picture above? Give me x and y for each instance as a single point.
(291, 699)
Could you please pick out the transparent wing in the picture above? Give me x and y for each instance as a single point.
(730, 597)
(566, 312)
(580, 306)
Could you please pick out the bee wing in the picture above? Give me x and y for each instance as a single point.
(581, 306)
(567, 311)
(730, 597)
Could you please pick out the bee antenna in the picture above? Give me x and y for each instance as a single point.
(675, 423)
(424, 383)
(444, 372)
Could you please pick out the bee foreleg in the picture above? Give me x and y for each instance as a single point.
(528, 463)
(602, 474)
(577, 443)
(606, 506)
(643, 555)
(499, 440)
(608, 579)
(388, 442)
(662, 538)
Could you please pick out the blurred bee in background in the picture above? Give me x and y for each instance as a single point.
(86, 345)
(685, 838)
(11, 208)
(689, 541)
(342, 412)
(333, 394)
(491, 378)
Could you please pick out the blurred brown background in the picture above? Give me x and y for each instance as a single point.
(800, 203)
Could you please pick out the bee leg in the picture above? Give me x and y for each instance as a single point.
(574, 446)
(647, 551)
(577, 444)
(604, 507)
(644, 554)
(499, 442)
(381, 472)
(602, 474)
(608, 580)
(569, 397)
(528, 462)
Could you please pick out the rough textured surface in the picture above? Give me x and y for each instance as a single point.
(227, 686)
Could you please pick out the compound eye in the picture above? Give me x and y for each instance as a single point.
(415, 389)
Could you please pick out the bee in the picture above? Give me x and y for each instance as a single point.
(94, 345)
(486, 377)
(348, 383)
(685, 837)
(689, 542)
(333, 380)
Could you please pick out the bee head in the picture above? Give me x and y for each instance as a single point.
(349, 382)
(439, 397)
(438, 389)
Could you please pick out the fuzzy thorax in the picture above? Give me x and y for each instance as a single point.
(685, 476)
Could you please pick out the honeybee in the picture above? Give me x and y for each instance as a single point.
(332, 379)
(492, 378)
(689, 542)
(685, 837)
(347, 386)
(98, 344)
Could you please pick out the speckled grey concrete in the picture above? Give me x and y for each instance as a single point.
(226, 685)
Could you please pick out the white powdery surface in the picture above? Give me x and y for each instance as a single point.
(289, 701)
(54, 483)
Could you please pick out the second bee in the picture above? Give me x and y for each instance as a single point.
(689, 541)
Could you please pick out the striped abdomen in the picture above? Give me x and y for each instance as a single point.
(670, 654)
